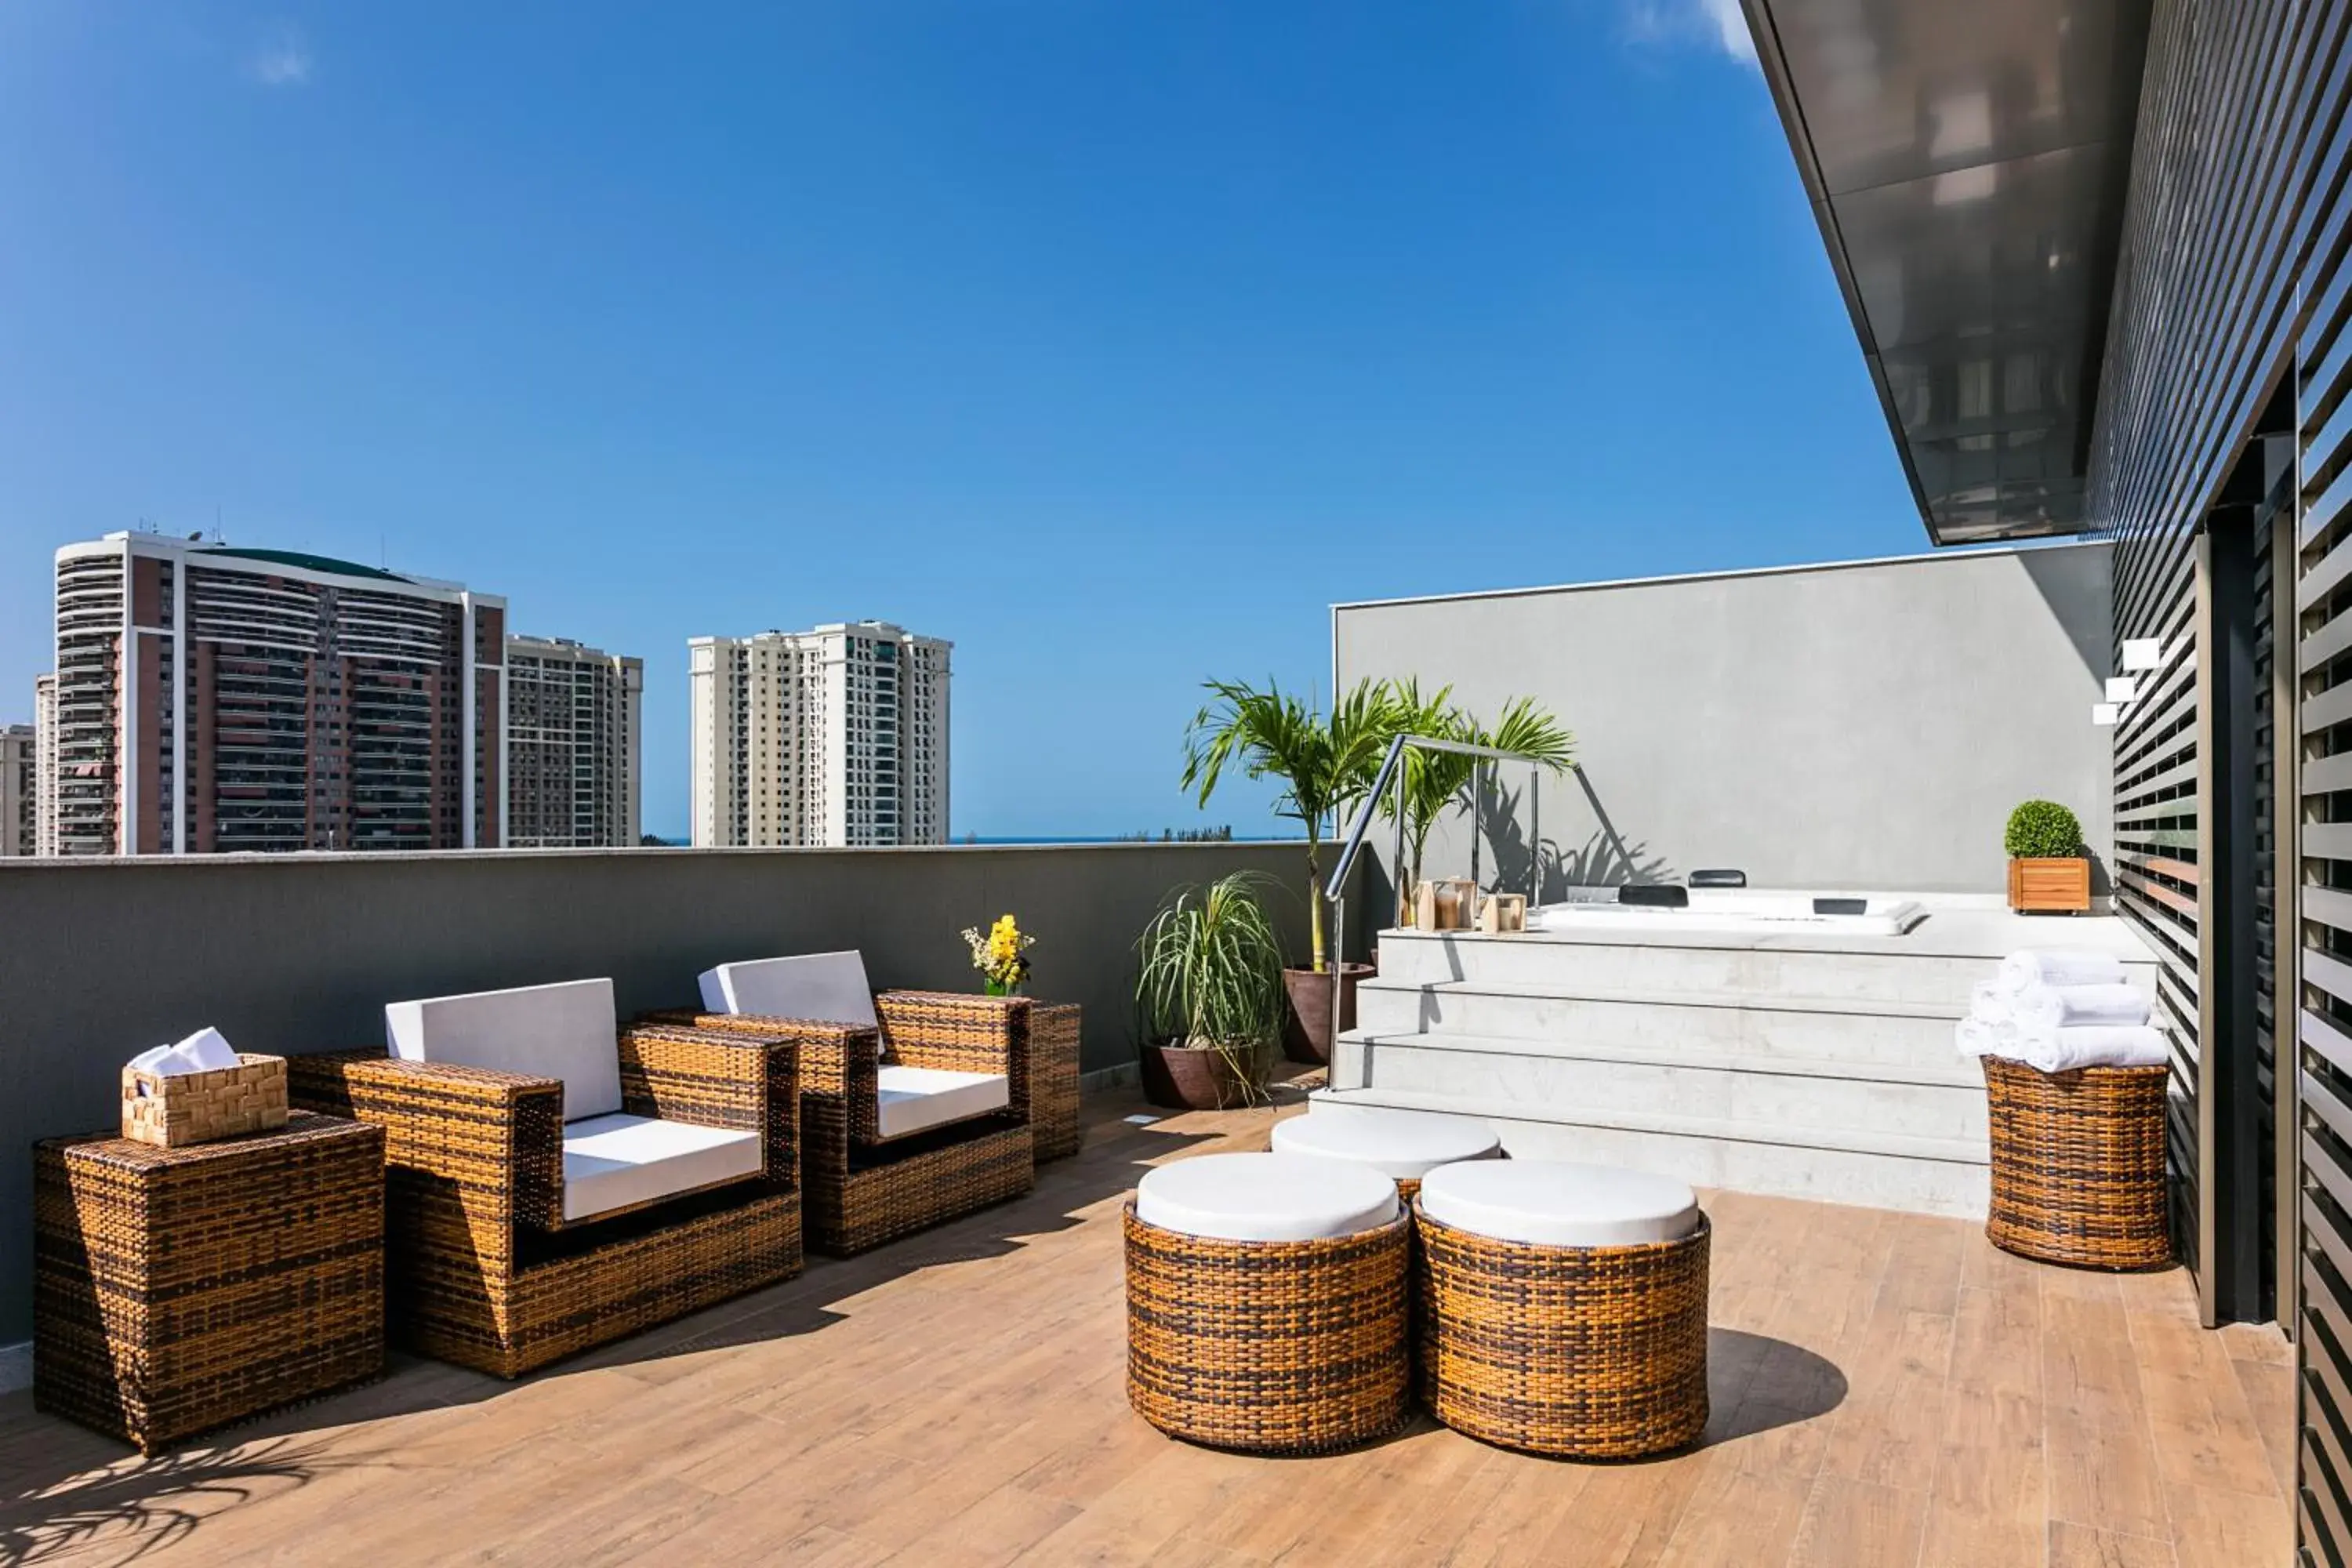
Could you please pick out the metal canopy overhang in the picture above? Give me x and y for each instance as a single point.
(1967, 162)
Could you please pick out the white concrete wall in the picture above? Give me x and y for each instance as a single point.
(1866, 725)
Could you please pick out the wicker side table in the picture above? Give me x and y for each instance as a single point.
(1053, 1079)
(177, 1290)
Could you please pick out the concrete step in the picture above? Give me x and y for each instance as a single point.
(1573, 1080)
(1861, 968)
(1876, 1169)
(1769, 1023)
(1698, 965)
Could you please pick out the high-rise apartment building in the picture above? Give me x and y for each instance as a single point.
(219, 698)
(45, 764)
(19, 789)
(572, 744)
(836, 736)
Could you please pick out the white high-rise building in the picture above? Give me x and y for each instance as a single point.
(45, 764)
(572, 745)
(832, 737)
(19, 789)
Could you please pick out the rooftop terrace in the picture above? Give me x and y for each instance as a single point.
(1888, 1389)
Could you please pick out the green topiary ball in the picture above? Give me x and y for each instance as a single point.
(2043, 830)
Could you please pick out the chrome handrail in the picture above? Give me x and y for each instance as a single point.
(1334, 889)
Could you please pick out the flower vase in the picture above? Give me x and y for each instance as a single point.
(1000, 988)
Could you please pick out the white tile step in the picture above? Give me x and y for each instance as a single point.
(1747, 1000)
(1876, 1169)
(1578, 1080)
(1962, 1073)
(1849, 1141)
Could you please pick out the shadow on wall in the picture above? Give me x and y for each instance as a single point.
(1604, 861)
(2079, 601)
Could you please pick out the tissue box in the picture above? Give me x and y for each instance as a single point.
(172, 1110)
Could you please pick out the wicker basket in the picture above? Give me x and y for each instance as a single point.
(172, 1110)
(2078, 1171)
(1593, 1352)
(1267, 1347)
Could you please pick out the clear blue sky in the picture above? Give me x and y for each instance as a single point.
(1114, 340)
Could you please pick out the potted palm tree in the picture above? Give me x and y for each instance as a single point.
(2049, 871)
(1209, 996)
(1436, 780)
(1324, 764)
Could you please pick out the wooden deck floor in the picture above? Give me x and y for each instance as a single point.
(1888, 1390)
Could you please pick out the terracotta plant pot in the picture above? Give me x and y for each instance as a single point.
(1306, 1031)
(1191, 1078)
(2050, 887)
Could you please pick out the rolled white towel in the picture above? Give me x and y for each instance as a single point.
(1989, 1003)
(154, 1059)
(1974, 1037)
(2078, 1007)
(2034, 966)
(2095, 1045)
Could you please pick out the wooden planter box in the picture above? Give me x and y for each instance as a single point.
(2050, 887)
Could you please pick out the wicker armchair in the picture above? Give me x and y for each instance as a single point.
(866, 1181)
(484, 1269)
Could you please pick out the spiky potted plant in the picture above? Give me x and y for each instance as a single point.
(1208, 996)
(1325, 763)
(2049, 869)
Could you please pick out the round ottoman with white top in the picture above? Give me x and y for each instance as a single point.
(1565, 1307)
(1403, 1145)
(1266, 1302)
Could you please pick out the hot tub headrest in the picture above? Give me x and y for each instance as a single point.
(1656, 897)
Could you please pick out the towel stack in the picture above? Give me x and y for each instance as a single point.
(204, 1051)
(2056, 1009)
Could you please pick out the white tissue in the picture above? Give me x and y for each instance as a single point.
(204, 1051)
(207, 1050)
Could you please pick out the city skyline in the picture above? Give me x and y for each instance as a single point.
(1117, 358)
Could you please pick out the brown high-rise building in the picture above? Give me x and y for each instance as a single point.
(215, 700)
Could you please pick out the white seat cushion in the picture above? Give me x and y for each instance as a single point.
(915, 1100)
(617, 1161)
(566, 1031)
(1265, 1197)
(1549, 1204)
(1403, 1145)
(822, 987)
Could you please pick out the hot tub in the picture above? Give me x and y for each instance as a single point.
(1762, 910)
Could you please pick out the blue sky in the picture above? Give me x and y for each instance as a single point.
(1114, 341)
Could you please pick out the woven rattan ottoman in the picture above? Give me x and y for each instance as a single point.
(2078, 1166)
(1566, 1308)
(1265, 1303)
(177, 1290)
(1403, 1145)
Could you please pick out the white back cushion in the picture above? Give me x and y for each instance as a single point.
(566, 1031)
(822, 987)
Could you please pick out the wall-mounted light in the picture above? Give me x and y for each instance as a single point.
(2143, 653)
(2122, 688)
(2105, 714)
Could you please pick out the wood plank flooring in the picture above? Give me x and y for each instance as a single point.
(1888, 1389)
